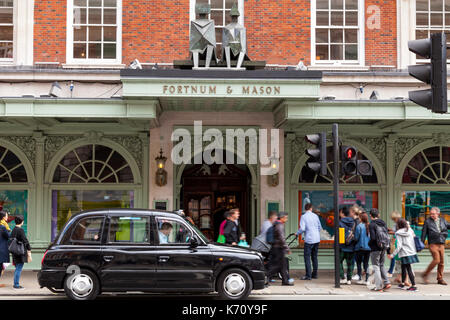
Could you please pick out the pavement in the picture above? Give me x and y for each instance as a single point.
(323, 286)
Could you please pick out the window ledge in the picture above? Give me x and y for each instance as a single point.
(92, 66)
(330, 67)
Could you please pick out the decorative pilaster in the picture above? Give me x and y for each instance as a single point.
(290, 137)
(390, 193)
(145, 142)
(40, 222)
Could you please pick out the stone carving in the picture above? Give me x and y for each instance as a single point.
(403, 145)
(202, 35)
(377, 146)
(53, 144)
(26, 144)
(441, 138)
(298, 147)
(133, 145)
(234, 40)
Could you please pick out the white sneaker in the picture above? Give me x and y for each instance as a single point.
(349, 282)
(389, 275)
(356, 277)
(362, 282)
(343, 281)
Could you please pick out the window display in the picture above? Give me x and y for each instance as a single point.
(323, 206)
(16, 203)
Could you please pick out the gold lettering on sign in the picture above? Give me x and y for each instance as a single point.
(245, 90)
(214, 90)
(229, 90)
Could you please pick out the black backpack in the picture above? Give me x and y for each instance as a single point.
(350, 238)
(382, 237)
(270, 237)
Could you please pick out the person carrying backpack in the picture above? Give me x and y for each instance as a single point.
(347, 249)
(379, 243)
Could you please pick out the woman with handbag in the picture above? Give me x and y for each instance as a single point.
(19, 260)
(5, 231)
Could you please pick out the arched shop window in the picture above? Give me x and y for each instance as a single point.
(317, 189)
(90, 177)
(13, 186)
(426, 184)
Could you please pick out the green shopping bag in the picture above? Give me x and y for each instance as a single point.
(221, 238)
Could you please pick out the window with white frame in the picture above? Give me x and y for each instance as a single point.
(6, 30)
(432, 16)
(220, 13)
(337, 31)
(94, 31)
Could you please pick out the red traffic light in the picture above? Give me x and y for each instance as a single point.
(350, 153)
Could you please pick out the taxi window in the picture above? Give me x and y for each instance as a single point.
(172, 232)
(129, 229)
(88, 230)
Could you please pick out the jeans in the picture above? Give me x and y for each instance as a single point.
(392, 266)
(19, 267)
(362, 260)
(310, 253)
(377, 259)
(348, 257)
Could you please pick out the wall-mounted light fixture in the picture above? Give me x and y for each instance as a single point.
(274, 179)
(161, 174)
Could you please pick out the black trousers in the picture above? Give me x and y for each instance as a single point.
(407, 268)
(278, 263)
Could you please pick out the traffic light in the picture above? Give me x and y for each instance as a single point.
(319, 154)
(364, 167)
(434, 73)
(348, 159)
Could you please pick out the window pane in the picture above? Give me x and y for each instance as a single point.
(421, 34)
(129, 229)
(337, 35)
(216, 4)
(6, 15)
(322, 52)
(337, 4)
(322, 18)
(227, 17)
(6, 50)
(88, 229)
(422, 19)
(436, 5)
(109, 52)
(110, 3)
(336, 52)
(436, 19)
(95, 3)
(170, 231)
(422, 5)
(109, 33)
(351, 4)
(6, 33)
(351, 52)
(95, 51)
(95, 16)
(447, 20)
(79, 16)
(337, 19)
(109, 16)
(217, 16)
(218, 36)
(79, 3)
(79, 33)
(95, 34)
(351, 36)
(229, 4)
(447, 5)
(321, 35)
(322, 4)
(351, 18)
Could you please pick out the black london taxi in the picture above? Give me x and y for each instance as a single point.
(120, 250)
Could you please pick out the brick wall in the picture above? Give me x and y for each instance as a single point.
(381, 35)
(50, 31)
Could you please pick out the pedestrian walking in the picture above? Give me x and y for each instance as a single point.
(355, 211)
(5, 232)
(260, 242)
(278, 252)
(231, 230)
(20, 260)
(378, 243)
(362, 249)
(435, 229)
(395, 266)
(310, 226)
(406, 250)
(347, 249)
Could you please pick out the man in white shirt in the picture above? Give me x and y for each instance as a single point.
(164, 232)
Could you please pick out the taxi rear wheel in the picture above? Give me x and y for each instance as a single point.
(83, 285)
(234, 284)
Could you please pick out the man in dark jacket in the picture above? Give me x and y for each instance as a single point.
(278, 261)
(347, 251)
(378, 254)
(435, 229)
(231, 229)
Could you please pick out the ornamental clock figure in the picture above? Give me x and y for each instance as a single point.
(202, 35)
(234, 39)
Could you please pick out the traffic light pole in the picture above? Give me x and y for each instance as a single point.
(336, 203)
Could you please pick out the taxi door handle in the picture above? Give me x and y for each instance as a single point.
(108, 258)
(163, 258)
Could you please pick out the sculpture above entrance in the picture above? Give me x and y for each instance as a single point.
(234, 40)
(202, 36)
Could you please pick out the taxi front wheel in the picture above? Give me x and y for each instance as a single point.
(234, 284)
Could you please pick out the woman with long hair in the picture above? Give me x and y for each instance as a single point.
(362, 248)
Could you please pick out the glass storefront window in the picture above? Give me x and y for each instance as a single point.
(416, 207)
(16, 203)
(323, 205)
(65, 203)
